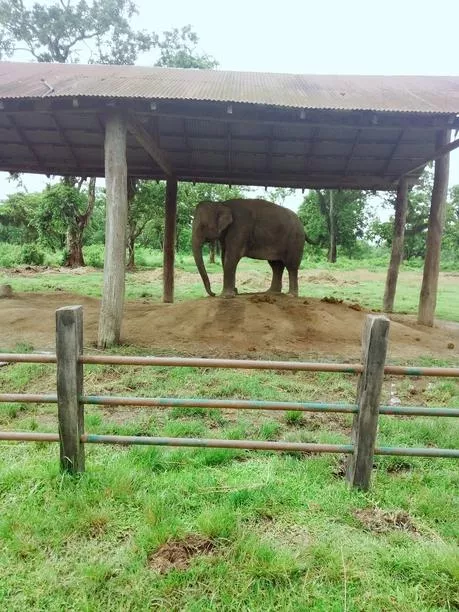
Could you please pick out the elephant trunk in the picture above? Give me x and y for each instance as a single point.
(197, 254)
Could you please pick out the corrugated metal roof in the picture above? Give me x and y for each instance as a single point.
(414, 94)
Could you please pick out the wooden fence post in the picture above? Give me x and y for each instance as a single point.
(69, 347)
(365, 425)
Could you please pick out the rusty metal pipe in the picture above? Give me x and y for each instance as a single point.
(232, 363)
(172, 402)
(240, 444)
(215, 443)
(27, 358)
(28, 398)
(197, 362)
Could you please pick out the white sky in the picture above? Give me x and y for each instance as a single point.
(311, 36)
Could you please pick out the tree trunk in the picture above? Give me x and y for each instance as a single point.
(75, 233)
(74, 248)
(332, 246)
(131, 253)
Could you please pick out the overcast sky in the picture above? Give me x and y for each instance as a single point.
(312, 36)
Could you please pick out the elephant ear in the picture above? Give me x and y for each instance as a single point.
(224, 218)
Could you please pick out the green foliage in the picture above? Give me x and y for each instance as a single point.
(94, 255)
(32, 255)
(178, 49)
(417, 219)
(450, 243)
(17, 218)
(349, 217)
(60, 31)
(58, 211)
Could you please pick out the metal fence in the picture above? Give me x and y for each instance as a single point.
(71, 400)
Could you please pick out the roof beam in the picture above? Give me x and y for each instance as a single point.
(23, 137)
(150, 145)
(392, 153)
(229, 138)
(281, 180)
(186, 139)
(311, 144)
(454, 144)
(342, 119)
(64, 137)
(351, 154)
(235, 139)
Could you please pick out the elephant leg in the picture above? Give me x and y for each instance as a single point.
(276, 282)
(229, 276)
(293, 282)
(223, 264)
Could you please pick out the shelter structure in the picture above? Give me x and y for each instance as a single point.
(303, 131)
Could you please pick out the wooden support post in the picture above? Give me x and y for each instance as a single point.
(169, 240)
(365, 425)
(428, 297)
(111, 312)
(401, 207)
(69, 347)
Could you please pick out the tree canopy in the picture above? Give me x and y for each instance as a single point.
(334, 218)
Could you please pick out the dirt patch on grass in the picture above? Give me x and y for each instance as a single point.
(293, 537)
(381, 521)
(178, 554)
(246, 326)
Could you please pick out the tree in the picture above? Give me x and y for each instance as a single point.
(178, 49)
(278, 195)
(146, 207)
(60, 32)
(450, 243)
(417, 218)
(17, 218)
(334, 218)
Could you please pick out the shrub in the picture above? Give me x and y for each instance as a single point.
(10, 255)
(94, 255)
(32, 255)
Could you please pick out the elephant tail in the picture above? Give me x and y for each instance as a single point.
(310, 240)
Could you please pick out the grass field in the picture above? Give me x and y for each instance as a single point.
(318, 282)
(203, 529)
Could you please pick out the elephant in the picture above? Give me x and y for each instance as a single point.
(252, 228)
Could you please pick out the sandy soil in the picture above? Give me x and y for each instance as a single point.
(250, 325)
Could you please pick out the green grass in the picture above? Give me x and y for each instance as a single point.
(274, 531)
(368, 292)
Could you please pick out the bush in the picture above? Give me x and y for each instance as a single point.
(32, 255)
(10, 255)
(94, 255)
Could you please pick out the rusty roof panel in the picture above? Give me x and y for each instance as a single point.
(414, 94)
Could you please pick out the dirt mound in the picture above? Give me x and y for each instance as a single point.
(247, 325)
(381, 521)
(178, 554)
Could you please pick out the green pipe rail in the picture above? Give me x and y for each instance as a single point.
(173, 402)
(347, 449)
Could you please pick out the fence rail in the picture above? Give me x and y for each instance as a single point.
(71, 400)
(175, 402)
(247, 364)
